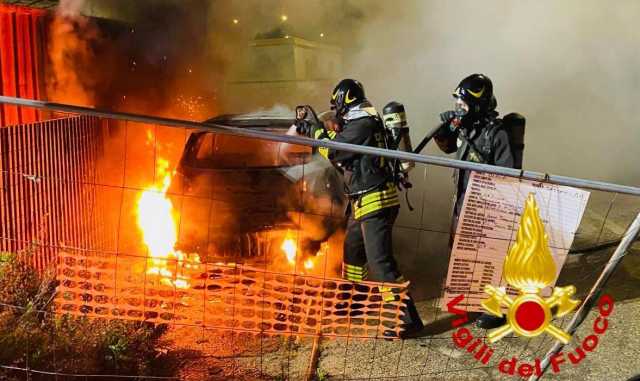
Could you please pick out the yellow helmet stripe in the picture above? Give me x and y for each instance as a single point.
(347, 100)
(477, 94)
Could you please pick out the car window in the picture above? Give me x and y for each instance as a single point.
(205, 147)
(228, 151)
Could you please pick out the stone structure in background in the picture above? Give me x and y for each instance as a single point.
(284, 70)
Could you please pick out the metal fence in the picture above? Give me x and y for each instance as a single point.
(221, 274)
(44, 165)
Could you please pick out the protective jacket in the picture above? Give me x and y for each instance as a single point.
(482, 141)
(369, 181)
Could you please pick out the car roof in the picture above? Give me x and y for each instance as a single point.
(279, 117)
(254, 120)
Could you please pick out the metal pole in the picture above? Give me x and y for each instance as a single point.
(312, 369)
(627, 239)
(265, 135)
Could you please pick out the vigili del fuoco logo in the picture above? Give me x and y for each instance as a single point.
(529, 268)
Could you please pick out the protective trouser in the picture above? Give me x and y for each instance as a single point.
(368, 254)
(385, 197)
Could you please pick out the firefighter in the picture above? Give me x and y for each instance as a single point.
(475, 133)
(372, 193)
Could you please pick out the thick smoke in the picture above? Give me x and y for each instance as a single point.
(70, 39)
(175, 57)
(570, 67)
(144, 56)
(573, 80)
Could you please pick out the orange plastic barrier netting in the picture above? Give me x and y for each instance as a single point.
(227, 297)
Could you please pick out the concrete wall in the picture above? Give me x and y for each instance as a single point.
(283, 71)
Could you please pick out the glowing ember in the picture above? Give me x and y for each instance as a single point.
(193, 107)
(289, 247)
(155, 220)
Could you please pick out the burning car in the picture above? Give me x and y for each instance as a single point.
(257, 192)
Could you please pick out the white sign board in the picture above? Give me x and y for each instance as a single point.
(487, 228)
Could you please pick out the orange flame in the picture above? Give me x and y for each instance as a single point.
(308, 264)
(155, 220)
(289, 247)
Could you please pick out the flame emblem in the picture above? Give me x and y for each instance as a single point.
(529, 267)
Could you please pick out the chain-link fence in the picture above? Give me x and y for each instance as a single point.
(142, 247)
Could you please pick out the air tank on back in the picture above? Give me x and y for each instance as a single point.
(395, 121)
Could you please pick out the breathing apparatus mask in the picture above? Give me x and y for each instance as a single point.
(461, 108)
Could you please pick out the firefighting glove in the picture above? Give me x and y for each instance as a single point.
(447, 116)
(304, 127)
(333, 124)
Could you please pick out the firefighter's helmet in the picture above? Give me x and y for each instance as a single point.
(476, 91)
(347, 94)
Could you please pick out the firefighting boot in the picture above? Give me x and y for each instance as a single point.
(411, 322)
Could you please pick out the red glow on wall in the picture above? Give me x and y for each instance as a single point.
(22, 60)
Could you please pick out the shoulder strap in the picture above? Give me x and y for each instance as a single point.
(493, 128)
(462, 136)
